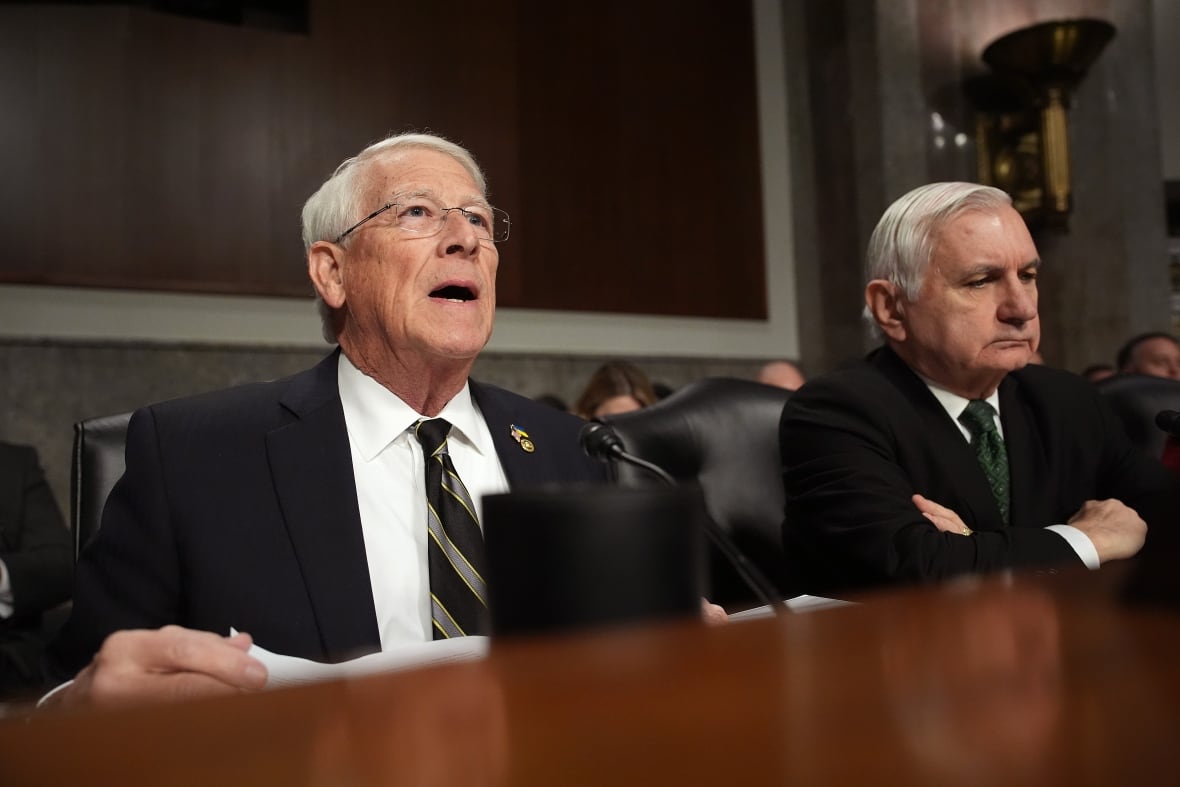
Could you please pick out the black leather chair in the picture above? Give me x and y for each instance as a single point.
(1136, 399)
(723, 434)
(98, 462)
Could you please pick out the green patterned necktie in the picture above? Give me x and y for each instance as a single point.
(458, 596)
(979, 418)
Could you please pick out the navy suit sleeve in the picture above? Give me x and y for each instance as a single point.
(128, 576)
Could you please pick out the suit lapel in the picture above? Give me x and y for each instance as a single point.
(1027, 469)
(953, 456)
(312, 469)
(523, 468)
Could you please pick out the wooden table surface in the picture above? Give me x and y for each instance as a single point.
(1038, 680)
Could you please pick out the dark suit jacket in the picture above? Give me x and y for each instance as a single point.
(36, 548)
(857, 443)
(239, 508)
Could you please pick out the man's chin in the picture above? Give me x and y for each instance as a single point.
(999, 360)
(460, 347)
(1012, 360)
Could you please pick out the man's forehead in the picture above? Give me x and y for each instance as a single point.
(979, 238)
(974, 223)
(421, 170)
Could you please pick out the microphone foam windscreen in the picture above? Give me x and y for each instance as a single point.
(577, 557)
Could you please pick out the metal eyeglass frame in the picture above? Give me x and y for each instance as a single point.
(497, 214)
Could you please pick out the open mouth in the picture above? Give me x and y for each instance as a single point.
(454, 292)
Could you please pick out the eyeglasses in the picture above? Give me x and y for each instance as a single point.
(423, 216)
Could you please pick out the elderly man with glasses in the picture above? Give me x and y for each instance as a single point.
(296, 510)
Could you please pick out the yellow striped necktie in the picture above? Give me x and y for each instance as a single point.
(458, 595)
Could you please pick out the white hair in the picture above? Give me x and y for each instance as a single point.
(336, 205)
(903, 242)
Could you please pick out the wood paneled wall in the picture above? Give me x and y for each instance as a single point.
(149, 151)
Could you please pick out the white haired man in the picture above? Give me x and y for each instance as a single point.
(296, 510)
(945, 453)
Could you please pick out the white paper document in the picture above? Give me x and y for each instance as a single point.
(285, 671)
(796, 604)
(290, 671)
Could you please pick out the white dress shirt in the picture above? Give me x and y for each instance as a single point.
(954, 406)
(390, 473)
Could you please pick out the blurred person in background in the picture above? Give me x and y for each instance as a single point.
(784, 374)
(615, 387)
(36, 566)
(1154, 353)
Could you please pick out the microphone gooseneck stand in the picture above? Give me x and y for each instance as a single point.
(601, 442)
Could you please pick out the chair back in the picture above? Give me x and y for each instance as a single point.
(722, 433)
(1136, 399)
(98, 462)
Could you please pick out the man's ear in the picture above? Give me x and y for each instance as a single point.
(887, 305)
(325, 267)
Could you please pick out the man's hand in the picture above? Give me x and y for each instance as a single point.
(712, 614)
(942, 517)
(1115, 530)
(171, 663)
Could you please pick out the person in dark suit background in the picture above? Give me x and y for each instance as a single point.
(36, 565)
(882, 479)
(1154, 353)
(294, 510)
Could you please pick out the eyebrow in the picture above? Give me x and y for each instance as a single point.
(465, 203)
(988, 269)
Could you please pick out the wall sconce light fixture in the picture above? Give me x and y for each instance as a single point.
(1022, 140)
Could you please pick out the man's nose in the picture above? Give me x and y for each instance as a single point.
(1019, 303)
(458, 234)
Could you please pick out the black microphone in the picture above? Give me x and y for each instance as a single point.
(1169, 421)
(601, 442)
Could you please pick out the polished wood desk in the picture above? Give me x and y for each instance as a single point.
(1041, 680)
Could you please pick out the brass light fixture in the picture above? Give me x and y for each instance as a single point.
(1021, 106)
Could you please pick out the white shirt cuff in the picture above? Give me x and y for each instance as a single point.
(1080, 542)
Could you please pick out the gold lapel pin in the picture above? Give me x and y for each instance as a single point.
(522, 437)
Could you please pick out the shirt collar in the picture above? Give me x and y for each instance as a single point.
(955, 404)
(376, 417)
